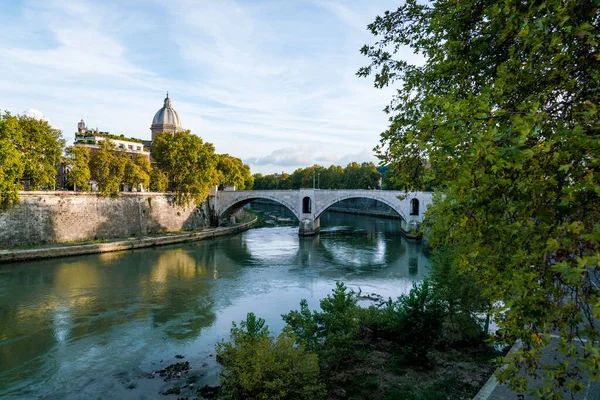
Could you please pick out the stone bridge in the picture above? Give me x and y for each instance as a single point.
(309, 204)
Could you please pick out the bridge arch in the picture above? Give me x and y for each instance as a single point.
(240, 201)
(323, 207)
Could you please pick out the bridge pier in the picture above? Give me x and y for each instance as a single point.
(309, 227)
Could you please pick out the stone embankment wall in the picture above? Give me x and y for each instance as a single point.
(56, 217)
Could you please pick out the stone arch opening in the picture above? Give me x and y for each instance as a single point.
(393, 207)
(414, 207)
(306, 205)
(236, 206)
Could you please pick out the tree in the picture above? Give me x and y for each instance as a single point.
(333, 333)
(352, 176)
(335, 178)
(465, 302)
(78, 159)
(190, 165)
(415, 320)
(41, 149)
(284, 182)
(108, 167)
(370, 178)
(11, 162)
(158, 180)
(505, 110)
(296, 179)
(232, 172)
(137, 172)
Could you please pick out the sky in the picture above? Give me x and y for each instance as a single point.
(272, 82)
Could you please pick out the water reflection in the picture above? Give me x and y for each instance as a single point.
(68, 325)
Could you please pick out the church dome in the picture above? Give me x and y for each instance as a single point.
(166, 119)
(167, 115)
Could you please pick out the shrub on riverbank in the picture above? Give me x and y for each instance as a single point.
(259, 366)
(382, 351)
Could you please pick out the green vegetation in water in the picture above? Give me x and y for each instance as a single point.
(412, 348)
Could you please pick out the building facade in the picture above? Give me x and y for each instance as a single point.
(92, 139)
(165, 120)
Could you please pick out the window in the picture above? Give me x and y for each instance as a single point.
(130, 147)
(414, 207)
(306, 205)
(139, 148)
(121, 146)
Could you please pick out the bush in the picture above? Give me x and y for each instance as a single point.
(259, 366)
(332, 333)
(415, 320)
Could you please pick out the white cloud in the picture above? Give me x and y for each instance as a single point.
(305, 156)
(292, 157)
(365, 155)
(35, 113)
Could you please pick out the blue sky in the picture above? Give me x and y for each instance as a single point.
(272, 82)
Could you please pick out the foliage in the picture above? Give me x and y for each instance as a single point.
(190, 165)
(415, 320)
(30, 151)
(232, 172)
(333, 332)
(137, 172)
(504, 109)
(463, 297)
(41, 149)
(89, 133)
(11, 163)
(108, 169)
(354, 176)
(78, 159)
(158, 180)
(259, 366)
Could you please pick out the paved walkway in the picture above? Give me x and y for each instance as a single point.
(493, 390)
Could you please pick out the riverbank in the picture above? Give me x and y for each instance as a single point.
(75, 249)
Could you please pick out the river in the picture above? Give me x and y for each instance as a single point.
(95, 326)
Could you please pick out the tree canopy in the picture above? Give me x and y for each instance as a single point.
(108, 169)
(41, 150)
(137, 172)
(354, 176)
(11, 163)
(79, 159)
(233, 172)
(30, 151)
(190, 165)
(502, 116)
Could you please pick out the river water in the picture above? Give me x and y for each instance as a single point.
(95, 326)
